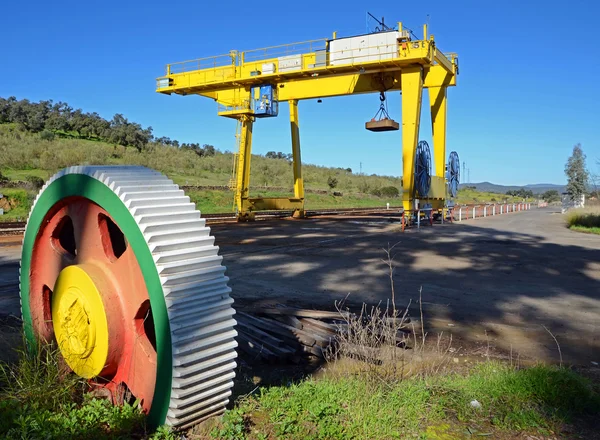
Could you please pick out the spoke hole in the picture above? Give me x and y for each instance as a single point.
(47, 308)
(64, 236)
(144, 323)
(113, 239)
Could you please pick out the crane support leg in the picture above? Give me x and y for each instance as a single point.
(298, 180)
(243, 171)
(437, 102)
(412, 92)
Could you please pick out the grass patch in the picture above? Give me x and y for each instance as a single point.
(24, 175)
(537, 400)
(40, 399)
(583, 219)
(585, 229)
(16, 203)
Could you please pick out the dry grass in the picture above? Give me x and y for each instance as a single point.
(383, 344)
(587, 217)
(584, 219)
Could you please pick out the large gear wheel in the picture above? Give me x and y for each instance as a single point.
(120, 270)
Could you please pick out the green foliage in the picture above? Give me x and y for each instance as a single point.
(332, 182)
(584, 219)
(386, 192)
(23, 155)
(50, 119)
(37, 380)
(47, 135)
(585, 229)
(35, 181)
(204, 151)
(551, 196)
(16, 204)
(94, 419)
(577, 174)
(537, 399)
(468, 195)
(521, 193)
(278, 155)
(40, 399)
(233, 426)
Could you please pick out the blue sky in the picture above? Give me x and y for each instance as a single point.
(528, 89)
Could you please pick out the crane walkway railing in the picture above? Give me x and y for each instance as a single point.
(311, 55)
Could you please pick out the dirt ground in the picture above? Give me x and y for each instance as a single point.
(507, 283)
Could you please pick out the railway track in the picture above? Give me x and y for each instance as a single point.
(14, 228)
(10, 228)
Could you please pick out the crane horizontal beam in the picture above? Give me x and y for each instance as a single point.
(317, 65)
(441, 59)
(341, 85)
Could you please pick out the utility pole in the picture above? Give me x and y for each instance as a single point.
(360, 173)
(469, 175)
(464, 170)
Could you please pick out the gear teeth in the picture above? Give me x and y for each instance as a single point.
(193, 282)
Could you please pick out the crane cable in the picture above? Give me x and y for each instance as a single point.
(382, 108)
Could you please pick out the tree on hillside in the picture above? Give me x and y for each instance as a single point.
(551, 196)
(521, 192)
(577, 174)
(278, 155)
(61, 119)
(123, 132)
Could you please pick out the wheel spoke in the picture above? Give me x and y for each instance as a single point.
(86, 230)
(49, 259)
(141, 376)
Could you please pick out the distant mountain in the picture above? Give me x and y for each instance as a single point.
(537, 188)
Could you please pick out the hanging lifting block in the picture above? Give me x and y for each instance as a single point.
(382, 125)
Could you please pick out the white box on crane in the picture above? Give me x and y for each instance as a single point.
(268, 68)
(364, 48)
(289, 62)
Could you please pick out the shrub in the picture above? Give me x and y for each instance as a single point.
(35, 182)
(363, 186)
(389, 191)
(47, 135)
(332, 182)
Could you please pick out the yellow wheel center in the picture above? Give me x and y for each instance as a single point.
(80, 323)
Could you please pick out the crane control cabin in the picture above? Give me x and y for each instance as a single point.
(248, 86)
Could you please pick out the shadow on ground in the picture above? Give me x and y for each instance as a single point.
(481, 282)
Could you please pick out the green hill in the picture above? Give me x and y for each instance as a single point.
(38, 139)
(27, 161)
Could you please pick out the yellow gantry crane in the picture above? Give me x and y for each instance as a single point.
(250, 85)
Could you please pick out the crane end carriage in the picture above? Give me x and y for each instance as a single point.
(250, 85)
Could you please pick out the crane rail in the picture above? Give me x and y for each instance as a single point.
(15, 228)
